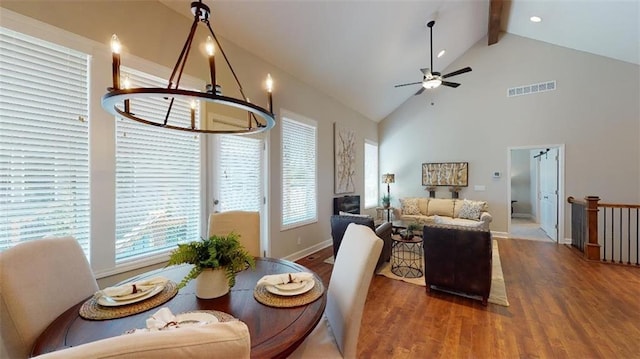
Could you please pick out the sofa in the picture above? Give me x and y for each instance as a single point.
(458, 259)
(446, 211)
(339, 225)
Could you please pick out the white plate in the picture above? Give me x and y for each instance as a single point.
(291, 286)
(110, 302)
(133, 295)
(307, 287)
(196, 318)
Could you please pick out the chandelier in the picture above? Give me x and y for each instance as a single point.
(117, 101)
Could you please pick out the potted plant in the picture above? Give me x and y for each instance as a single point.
(411, 228)
(386, 201)
(215, 263)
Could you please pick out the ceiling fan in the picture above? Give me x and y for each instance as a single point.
(432, 79)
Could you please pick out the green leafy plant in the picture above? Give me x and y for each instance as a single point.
(386, 200)
(216, 252)
(408, 234)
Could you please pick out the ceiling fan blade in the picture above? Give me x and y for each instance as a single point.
(450, 84)
(413, 83)
(458, 72)
(419, 91)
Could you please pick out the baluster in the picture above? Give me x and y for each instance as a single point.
(628, 235)
(604, 235)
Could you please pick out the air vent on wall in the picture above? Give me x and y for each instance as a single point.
(531, 89)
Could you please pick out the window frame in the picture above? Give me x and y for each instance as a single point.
(376, 176)
(290, 116)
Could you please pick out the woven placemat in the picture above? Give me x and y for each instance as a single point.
(93, 311)
(265, 297)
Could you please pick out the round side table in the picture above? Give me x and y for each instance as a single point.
(406, 256)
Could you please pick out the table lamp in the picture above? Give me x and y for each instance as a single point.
(388, 178)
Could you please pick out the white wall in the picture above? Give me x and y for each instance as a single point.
(594, 112)
(152, 31)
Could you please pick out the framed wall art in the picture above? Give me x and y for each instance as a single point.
(344, 159)
(445, 174)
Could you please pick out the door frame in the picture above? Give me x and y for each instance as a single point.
(561, 175)
(209, 148)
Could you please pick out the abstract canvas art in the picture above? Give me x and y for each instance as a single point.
(344, 159)
(445, 174)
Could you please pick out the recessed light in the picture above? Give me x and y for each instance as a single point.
(441, 53)
(535, 19)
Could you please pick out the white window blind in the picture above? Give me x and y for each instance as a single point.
(44, 155)
(157, 177)
(299, 172)
(370, 174)
(239, 173)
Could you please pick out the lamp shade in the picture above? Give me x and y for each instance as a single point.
(388, 178)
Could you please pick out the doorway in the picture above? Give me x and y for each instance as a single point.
(535, 191)
(237, 178)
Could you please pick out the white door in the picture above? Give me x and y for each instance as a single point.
(548, 195)
(237, 176)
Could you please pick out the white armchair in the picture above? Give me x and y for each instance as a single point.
(212, 341)
(39, 280)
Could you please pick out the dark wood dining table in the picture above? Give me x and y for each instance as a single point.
(275, 332)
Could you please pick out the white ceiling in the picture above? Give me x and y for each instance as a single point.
(356, 51)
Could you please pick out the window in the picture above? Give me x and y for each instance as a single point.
(370, 174)
(44, 142)
(157, 177)
(238, 178)
(299, 171)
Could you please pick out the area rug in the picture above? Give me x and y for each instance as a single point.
(329, 260)
(498, 294)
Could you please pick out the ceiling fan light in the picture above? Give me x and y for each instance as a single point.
(431, 84)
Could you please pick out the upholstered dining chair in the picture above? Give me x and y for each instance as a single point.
(336, 336)
(339, 225)
(39, 280)
(212, 341)
(244, 223)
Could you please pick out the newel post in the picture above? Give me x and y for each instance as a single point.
(592, 249)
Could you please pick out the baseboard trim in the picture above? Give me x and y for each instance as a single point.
(307, 251)
(500, 234)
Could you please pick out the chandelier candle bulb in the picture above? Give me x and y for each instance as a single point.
(269, 91)
(211, 51)
(115, 52)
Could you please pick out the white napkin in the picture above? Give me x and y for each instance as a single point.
(128, 288)
(285, 278)
(162, 319)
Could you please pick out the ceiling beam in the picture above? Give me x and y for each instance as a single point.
(495, 16)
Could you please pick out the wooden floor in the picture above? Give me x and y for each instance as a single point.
(561, 306)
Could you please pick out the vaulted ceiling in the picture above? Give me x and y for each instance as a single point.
(356, 51)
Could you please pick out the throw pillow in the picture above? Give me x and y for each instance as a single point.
(440, 207)
(410, 206)
(471, 209)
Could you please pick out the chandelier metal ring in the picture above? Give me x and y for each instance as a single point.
(124, 95)
(110, 99)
